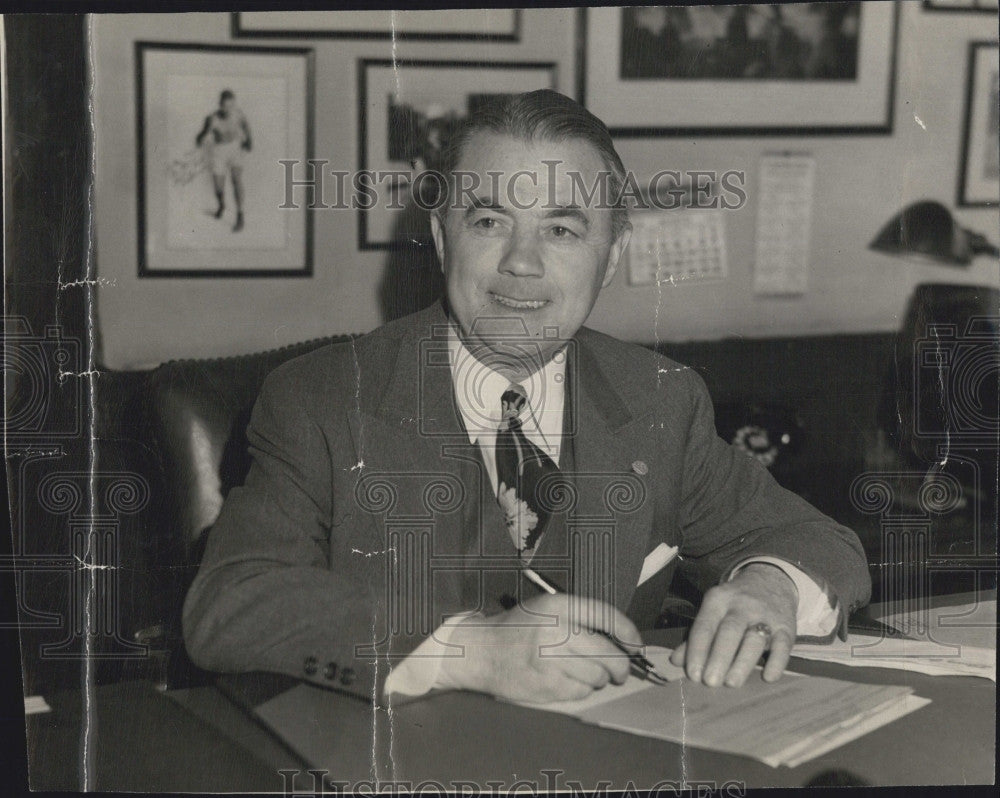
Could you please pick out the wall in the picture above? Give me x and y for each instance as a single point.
(860, 182)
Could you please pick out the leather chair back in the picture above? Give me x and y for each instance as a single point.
(198, 411)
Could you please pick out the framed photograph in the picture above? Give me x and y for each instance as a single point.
(800, 69)
(485, 24)
(985, 6)
(979, 174)
(407, 110)
(213, 124)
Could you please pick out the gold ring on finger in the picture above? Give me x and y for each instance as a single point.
(761, 629)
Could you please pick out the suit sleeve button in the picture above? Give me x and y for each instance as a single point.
(330, 671)
(309, 666)
(347, 676)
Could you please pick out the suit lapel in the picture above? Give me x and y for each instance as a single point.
(410, 440)
(614, 511)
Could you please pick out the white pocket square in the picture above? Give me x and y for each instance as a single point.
(656, 561)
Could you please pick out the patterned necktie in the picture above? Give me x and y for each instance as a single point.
(520, 467)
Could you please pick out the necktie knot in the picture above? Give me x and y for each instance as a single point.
(512, 402)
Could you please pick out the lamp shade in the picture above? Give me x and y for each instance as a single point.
(926, 229)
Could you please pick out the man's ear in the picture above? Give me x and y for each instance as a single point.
(437, 233)
(614, 257)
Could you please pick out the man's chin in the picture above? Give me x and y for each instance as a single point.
(498, 323)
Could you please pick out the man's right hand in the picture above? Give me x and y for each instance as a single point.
(532, 653)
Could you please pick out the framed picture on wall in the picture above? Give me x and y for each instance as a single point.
(407, 110)
(483, 24)
(986, 6)
(799, 69)
(979, 175)
(213, 125)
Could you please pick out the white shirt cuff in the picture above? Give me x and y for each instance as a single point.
(418, 673)
(815, 616)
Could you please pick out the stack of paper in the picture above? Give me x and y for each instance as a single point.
(917, 656)
(659, 656)
(971, 624)
(950, 640)
(786, 722)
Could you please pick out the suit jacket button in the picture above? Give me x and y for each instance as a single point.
(347, 676)
(330, 671)
(309, 666)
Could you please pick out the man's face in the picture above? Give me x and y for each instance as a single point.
(227, 105)
(524, 253)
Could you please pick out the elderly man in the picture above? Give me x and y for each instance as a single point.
(402, 483)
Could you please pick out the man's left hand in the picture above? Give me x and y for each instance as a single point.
(729, 635)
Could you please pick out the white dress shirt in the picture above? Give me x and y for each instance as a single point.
(477, 394)
(478, 389)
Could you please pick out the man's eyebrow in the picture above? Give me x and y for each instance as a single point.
(571, 211)
(484, 203)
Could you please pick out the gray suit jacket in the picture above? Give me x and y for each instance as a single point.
(367, 517)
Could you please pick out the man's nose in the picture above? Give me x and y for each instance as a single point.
(522, 258)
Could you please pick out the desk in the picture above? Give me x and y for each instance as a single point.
(196, 740)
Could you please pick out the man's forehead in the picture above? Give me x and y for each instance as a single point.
(571, 152)
(501, 170)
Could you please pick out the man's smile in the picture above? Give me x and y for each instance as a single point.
(518, 304)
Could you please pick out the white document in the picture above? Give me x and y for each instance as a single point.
(955, 640)
(839, 736)
(961, 625)
(916, 656)
(659, 656)
(787, 722)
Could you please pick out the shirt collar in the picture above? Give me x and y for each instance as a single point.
(478, 389)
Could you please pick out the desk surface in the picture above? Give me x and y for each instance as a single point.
(196, 740)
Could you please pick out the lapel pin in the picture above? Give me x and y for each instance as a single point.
(640, 468)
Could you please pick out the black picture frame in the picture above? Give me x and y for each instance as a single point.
(971, 193)
(963, 7)
(628, 128)
(478, 84)
(240, 31)
(146, 176)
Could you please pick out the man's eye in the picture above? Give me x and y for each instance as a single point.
(560, 231)
(486, 223)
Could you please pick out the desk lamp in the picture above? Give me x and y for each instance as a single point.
(927, 230)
